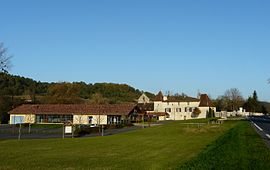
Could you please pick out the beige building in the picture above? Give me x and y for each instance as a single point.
(179, 107)
(72, 113)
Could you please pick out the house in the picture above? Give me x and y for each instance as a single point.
(144, 111)
(72, 113)
(177, 107)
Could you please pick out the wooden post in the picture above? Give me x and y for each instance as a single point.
(72, 126)
(29, 128)
(19, 137)
(102, 131)
(63, 131)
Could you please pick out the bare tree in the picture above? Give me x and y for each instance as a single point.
(235, 98)
(4, 59)
(30, 119)
(99, 122)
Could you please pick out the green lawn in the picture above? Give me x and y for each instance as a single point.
(161, 147)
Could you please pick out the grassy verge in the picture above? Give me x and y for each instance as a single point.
(160, 147)
(240, 148)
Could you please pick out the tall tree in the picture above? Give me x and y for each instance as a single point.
(235, 98)
(4, 59)
(255, 96)
(252, 104)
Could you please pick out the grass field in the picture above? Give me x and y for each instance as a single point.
(240, 148)
(169, 146)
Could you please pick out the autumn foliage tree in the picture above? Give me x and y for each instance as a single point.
(196, 112)
(64, 93)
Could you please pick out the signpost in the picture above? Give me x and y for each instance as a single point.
(67, 129)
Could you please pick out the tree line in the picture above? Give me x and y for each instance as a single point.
(232, 100)
(15, 90)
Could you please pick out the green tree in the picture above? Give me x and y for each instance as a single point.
(253, 104)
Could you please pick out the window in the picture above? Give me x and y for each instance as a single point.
(178, 109)
(113, 119)
(54, 118)
(186, 109)
(190, 109)
(90, 119)
(168, 110)
(17, 119)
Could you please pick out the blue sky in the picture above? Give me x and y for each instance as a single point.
(178, 46)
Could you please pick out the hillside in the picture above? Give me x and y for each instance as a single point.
(266, 105)
(16, 90)
(11, 85)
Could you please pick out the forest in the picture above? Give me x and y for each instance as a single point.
(16, 90)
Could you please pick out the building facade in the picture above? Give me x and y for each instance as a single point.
(72, 113)
(180, 107)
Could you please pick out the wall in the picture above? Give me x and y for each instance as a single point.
(161, 118)
(27, 118)
(83, 119)
(160, 106)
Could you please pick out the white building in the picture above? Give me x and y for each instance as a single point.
(73, 113)
(182, 107)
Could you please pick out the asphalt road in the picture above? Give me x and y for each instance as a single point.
(11, 132)
(262, 126)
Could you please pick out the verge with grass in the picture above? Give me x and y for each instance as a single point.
(240, 148)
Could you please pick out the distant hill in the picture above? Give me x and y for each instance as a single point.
(12, 85)
(266, 105)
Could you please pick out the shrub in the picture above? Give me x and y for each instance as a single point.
(84, 130)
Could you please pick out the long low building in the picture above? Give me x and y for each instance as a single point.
(73, 113)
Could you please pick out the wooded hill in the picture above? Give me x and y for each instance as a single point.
(16, 90)
(65, 92)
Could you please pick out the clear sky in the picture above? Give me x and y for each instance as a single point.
(152, 45)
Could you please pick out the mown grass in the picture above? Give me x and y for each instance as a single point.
(159, 147)
(170, 146)
(240, 148)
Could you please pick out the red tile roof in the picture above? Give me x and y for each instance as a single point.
(182, 99)
(205, 101)
(159, 96)
(117, 109)
(158, 113)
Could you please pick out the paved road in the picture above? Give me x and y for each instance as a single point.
(262, 126)
(11, 132)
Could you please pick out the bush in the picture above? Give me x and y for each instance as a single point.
(23, 125)
(118, 126)
(84, 130)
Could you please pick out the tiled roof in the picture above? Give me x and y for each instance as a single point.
(117, 109)
(141, 107)
(159, 96)
(205, 101)
(158, 113)
(182, 99)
